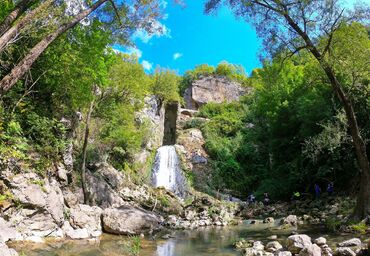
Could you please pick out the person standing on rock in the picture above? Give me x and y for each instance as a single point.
(266, 198)
(330, 188)
(251, 198)
(317, 191)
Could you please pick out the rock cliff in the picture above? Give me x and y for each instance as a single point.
(212, 89)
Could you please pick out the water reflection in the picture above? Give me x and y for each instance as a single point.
(166, 249)
(215, 241)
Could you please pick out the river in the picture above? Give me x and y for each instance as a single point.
(215, 241)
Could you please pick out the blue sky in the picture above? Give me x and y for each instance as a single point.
(191, 38)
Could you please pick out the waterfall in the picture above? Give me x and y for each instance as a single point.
(166, 171)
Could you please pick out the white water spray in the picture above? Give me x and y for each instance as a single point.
(167, 172)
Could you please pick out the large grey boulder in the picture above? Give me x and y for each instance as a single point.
(86, 217)
(291, 220)
(78, 233)
(312, 250)
(320, 241)
(350, 242)
(128, 220)
(296, 243)
(344, 251)
(273, 246)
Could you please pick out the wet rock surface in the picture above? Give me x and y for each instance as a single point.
(127, 220)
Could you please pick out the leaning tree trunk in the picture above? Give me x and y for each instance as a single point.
(24, 65)
(19, 9)
(13, 31)
(363, 199)
(84, 154)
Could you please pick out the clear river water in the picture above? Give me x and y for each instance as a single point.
(215, 241)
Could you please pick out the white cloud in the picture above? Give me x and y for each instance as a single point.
(160, 30)
(136, 51)
(177, 55)
(147, 65)
(129, 50)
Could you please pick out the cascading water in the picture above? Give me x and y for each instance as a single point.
(166, 171)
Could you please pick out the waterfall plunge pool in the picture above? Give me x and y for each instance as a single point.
(208, 241)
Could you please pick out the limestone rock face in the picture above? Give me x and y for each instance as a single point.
(103, 185)
(190, 147)
(212, 89)
(153, 114)
(7, 232)
(128, 220)
(5, 251)
(42, 210)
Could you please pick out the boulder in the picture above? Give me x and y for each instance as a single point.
(283, 253)
(258, 245)
(326, 250)
(128, 220)
(86, 217)
(350, 242)
(70, 232)
(273, 246)
(320, 241)
(6, 251)
(296, 243)
(312, 250)
(269, 220)
(291, 220)
(344, 251)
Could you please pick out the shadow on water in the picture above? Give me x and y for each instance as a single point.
(215, 241)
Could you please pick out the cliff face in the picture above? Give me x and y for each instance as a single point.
(212, 89)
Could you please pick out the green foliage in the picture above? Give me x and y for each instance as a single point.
(224, 69)
(165, 85)
(275, 140)
(332, 224)
(360, 228)
(163, 200)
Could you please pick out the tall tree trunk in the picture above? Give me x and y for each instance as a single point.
(24, 65)
(362, 208)
(84, 153)
(19, 9)
(12, 32)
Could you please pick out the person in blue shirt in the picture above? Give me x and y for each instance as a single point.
(317, 191)
(330, 188)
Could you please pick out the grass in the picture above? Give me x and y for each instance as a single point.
(360, 228)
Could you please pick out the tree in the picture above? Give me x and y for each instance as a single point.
(19, 9)
(10, 32)
(141, 16)
(297, 26)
